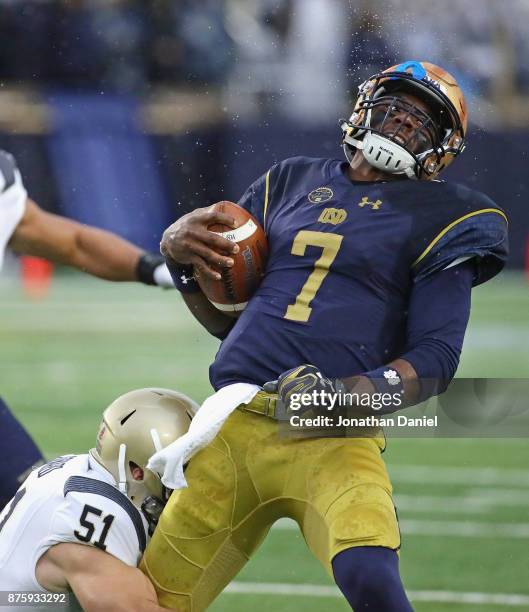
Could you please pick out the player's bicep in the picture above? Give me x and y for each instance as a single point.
(438, 314)
(439, 305)
(43, 234)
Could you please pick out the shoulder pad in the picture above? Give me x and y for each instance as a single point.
(88, 504)
(301, 160)
(264, 197)
(479, 232)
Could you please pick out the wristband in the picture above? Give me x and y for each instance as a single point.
(146, 266)
(182, 275)
(387, 380)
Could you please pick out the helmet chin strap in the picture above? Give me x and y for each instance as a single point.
(386, 155)
(122, 471)
(122, 468)
(156, 440)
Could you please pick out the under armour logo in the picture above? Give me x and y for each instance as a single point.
(185, 279)
(366, 202)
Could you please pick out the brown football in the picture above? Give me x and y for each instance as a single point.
(231, 293)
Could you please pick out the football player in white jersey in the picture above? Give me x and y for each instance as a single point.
(80, 523)
(27, 229)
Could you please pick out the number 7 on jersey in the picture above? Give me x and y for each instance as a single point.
(330, 243)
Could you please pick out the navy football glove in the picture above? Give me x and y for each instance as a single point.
(304, 380)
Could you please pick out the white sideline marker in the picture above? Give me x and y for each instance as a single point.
(315, 590)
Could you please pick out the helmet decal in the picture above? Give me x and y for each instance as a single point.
(416, 69)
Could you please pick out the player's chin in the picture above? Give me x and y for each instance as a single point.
(234, 314)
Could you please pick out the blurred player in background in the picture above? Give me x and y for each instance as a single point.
(80, 523)
(27, 229)
(367, 289)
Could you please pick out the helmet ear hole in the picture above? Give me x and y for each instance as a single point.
(136, 471)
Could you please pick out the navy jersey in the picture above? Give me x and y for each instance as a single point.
(343, 259)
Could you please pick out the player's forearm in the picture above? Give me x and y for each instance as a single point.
(105, 255)
(409, 384)
(115, 601)
(68, 242)
(207, 315)
(212, 319)
(118, 589)
(419, 374)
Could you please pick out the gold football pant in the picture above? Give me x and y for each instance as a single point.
(336, 489)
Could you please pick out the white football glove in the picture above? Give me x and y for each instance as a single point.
(162, 277)
(13, 199)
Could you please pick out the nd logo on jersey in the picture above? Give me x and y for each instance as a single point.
(333, 215)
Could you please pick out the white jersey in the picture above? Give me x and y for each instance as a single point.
(70, 499)
(13, 198)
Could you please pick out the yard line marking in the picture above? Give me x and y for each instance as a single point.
(486, 337)
(464, 529)
(499, 599)
(443, 504)
(153, 322)
(316, 590)
(84, 298)
(457, 529)
(473, 477)
(476, 501)
(501, 497)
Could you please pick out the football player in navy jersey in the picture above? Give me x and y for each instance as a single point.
(367, 289)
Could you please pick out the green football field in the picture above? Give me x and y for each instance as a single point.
(463, 504)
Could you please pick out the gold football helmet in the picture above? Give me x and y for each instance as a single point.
(134, 427)
(438, 135)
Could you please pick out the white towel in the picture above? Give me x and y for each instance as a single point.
(205, 425)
